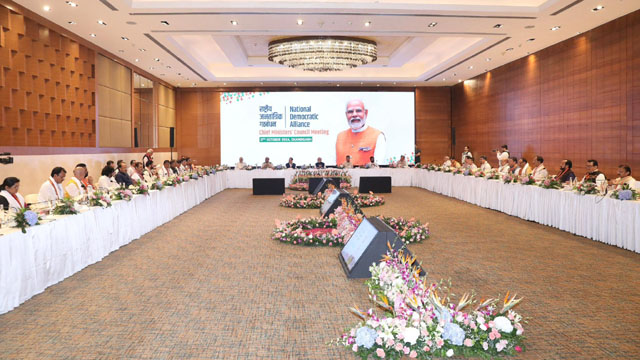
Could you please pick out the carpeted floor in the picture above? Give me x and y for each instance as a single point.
(212, 285)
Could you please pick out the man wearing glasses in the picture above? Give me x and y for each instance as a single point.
(361, 141)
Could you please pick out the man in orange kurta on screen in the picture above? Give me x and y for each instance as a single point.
(361, 141)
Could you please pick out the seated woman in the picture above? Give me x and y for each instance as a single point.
(9, 196)
(107, 180)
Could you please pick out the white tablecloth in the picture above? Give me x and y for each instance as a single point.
(51, 252)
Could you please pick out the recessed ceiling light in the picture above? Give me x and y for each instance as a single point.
(151, 68)
(394, 83)
(459, 80)
(178, 84)
(168, 66)
(444, 79)
(532, 39)
(509, 49)
(295, 83)
(378, 85)
(367, 24)
(361, 83)
(143, 50)
(497, 26)
(72, 4)
(224, 83)
(433, 24)
(597, 8)
(164, 22)
(555, 28)
(156, 59)
(300, 21)
(92, 35)
(102, 23)
(142, 85)
(46, 8)
(71, 22)
(261, 83)
(338, 85)
(234, 23)
(124, 38)
(194, 84)
(137, 60)
(470, 67)
(488, 59)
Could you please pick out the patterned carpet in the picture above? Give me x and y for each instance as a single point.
(212, 285)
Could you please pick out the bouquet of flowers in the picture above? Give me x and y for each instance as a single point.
(420, 321)
(185, 178)
(249, 167)
(478, 173)
(446, 169)
(348, 221)
(157, 185)
(586, 188)
(551, 183)
(98, 198)
(65, 206)
(279, 167)
(456, 171)
(508, 178)
(419, 166)
(467, 172)
(625, 193)
(527, 180)
(141, 189)
(122, 194)
(409, 231)
(25, 218)
(302, 201)
(194, 176)
(493, 174)
(367, 200)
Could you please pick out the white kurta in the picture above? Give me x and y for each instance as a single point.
(240, 166)
(107, 183)
(13, 204)
(540, 173)
(50, 191)
(74, 188)
(485, 167)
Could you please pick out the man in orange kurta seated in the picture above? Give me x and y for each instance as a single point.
(361, 141)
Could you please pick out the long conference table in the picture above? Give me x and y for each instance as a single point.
(50, 252)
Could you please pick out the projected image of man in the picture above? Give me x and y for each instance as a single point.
(361, 141)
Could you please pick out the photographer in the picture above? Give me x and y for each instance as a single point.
(502, 154)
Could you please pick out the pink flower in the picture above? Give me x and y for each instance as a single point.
(390, 342)
(379, 341)
(518, 349)
(492, 336)
(399, 346)
(439, 343)
(380, 353)
(413, 354)
(406, 350)
(355, 347)
(468, 342)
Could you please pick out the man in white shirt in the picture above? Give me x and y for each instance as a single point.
(484, 164)
(240, 165)
(371, 163)
(447, 162)
(593, 174)
(466, 154)
(75, 186)
(469, 165)
(138, 174)
(131, 169)
(347, 164)
(165, 170)
(624, 178)
(267, 164)
(183, 166)
(51, 190)
(402, 163)
(504, 167)
(523, 168)
(539, 172)
(503, 153)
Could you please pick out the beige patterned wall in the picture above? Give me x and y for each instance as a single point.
(166, 114)
(114, 103)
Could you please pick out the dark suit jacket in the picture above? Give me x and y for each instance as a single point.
(319, 165)
(123, 178)
(292, 166)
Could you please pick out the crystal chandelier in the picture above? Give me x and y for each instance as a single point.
(321, 53)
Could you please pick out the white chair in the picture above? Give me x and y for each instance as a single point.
(31, 198)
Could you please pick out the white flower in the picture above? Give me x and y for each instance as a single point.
(411, 335)
(503, 324)
(485, 346)
(450, 352)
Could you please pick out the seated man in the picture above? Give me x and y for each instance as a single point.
(523, 168)
(539, 172)
(183, 168)
(484, 164)
(106, 180)
(447, 162)
(75, 186)
(319, 164)
(372, 163)
(593, 174)
(132, 168)
(469, 164)
(402, 163)
(267, 164)
(513, 164)
(51, 190)
(174, 167)
(138, 175)
(504, 167)
(455, 163)
(347, 164)
(149, 172)
(624, 178)
(122, 177)
(240, 165)
(165, 170)
(291, 164)
(566, 173)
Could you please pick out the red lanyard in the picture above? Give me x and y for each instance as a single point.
(17, 200)
(54, 188)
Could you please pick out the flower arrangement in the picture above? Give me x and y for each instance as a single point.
(65, 206)
(185, 178)
(446, 169)
(98, 198)
(509, 178)
(367, 200)
(527, 180)
(493, 174)
(195, 176)
(550, 183)
(456, 171)
(586, 188)
(625, 193)
(479, 173)
(320, 232)
(157, 185)
(302, 201)
(420, 321)
(419, 166)
(141, 189)
(122, 194)
(25, 218)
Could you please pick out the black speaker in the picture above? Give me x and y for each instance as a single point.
(268, 186)
(135, 137)
(376, 184)
(172, 137)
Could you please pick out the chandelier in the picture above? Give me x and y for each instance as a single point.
(322, 53)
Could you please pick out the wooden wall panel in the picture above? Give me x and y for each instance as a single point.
(579, 99)
(39, 81)
(433, 122)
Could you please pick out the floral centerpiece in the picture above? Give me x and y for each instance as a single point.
(509, 178)
(447, 169)
(493, 174)
(157, 185)
(195, 176)
(479, 173)
(420, 321)
(586, 188)
(185, 178)
(410, 230)
(527, 180)
(25, 218)
(419, 166)
(456, 171)
(65, 206)
(302, 201)
(122, 194)
(550, 183)
(98, 198)
(142, 188)
(367, 200)
(625, 192)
